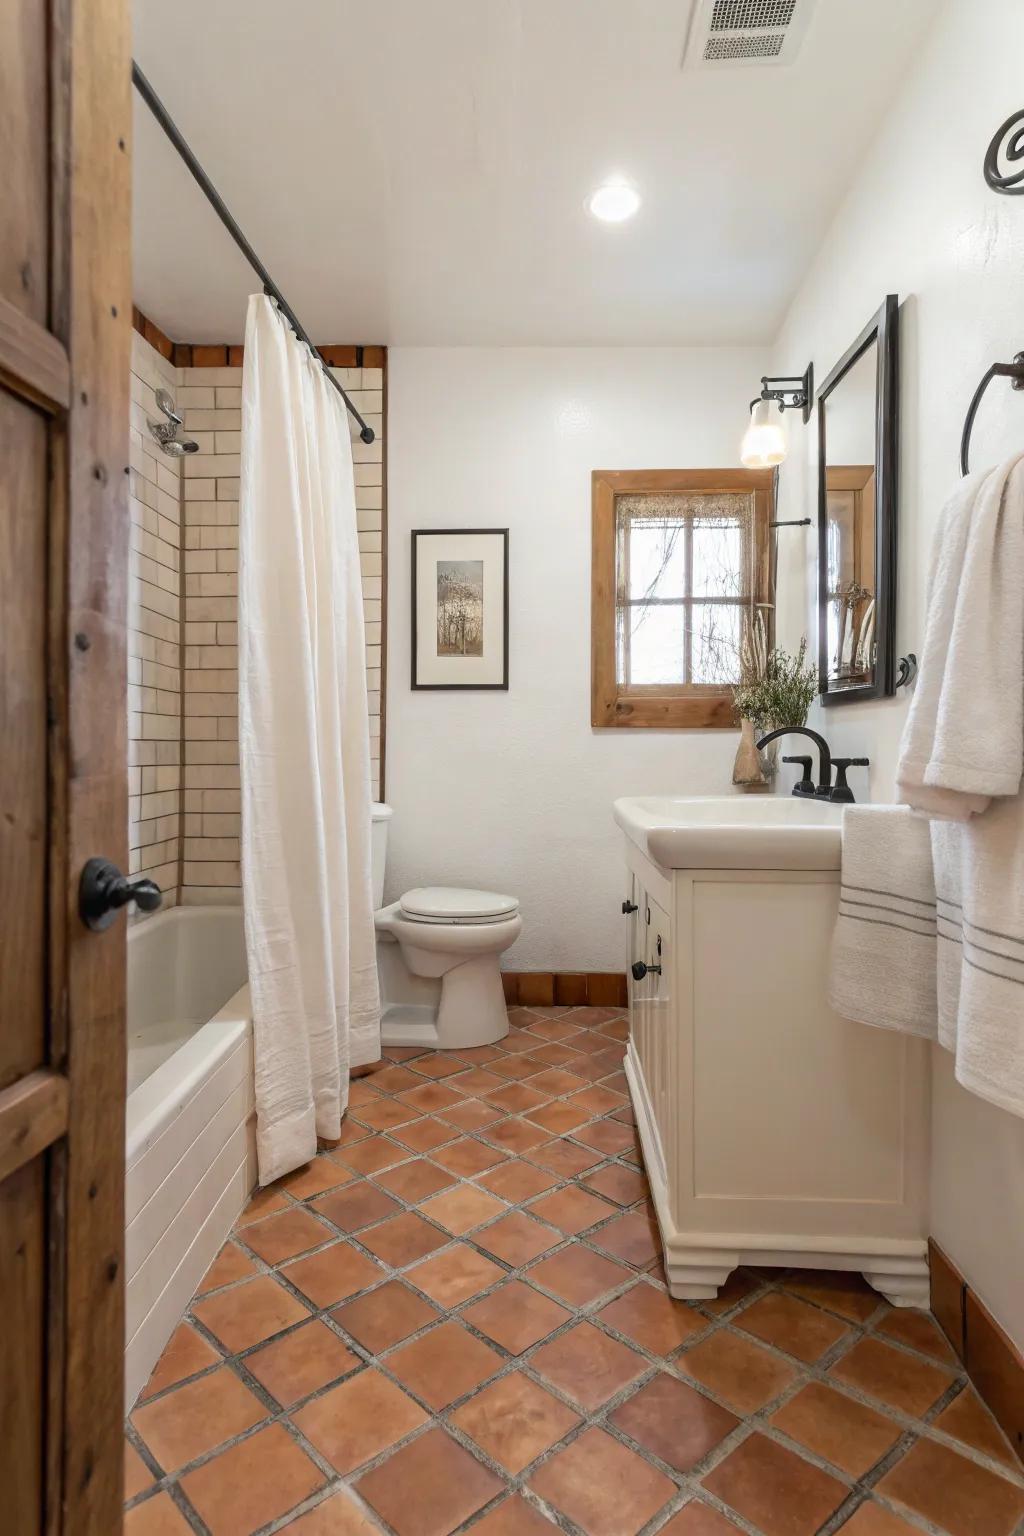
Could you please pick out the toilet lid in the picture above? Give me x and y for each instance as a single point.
(455, 904)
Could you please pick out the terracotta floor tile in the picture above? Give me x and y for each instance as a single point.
(472, 1115)
(337, 1515)
(387, 1114)
(517, 1238)
(516, 1068)
(415, 1180)
(571, 1209)
(249, 1313)
(968, 1419)
(556, 1083)
(563, 1157)
(516, 1098)
(892, 1376)
(791, 1325)
(137, 1475)
(358, 1419)
(252, 1483)
(358, 1205)
(740, 1372)
(606, 1136)
(838, 1290)
(332, 1274)
(428, 1098)
(403, 1053)
(185, 1354)
(653, 1319)
(452, 1277)
(424, 1135)
(556, 1056)
(461, 1209)
(518, 1042)
(351, 1132)
(385, 1316)
(515, 1135)
(515, 1517)
(286, 1234)
(516, 1316)
(466, 1157)
(193, 1419)
(301, 1362)
(775, 1489)
(231, 1264)
(158, 1516)
(632, 1237)
(615, 1029)
(872, 1520)
(403, 1239)
(578, 1276)
(557, 1119)
(438, 1065)
(698, 1519)
(848, 1434)
(314, 1178)
(514, 1421)
(596, 1100)
(444, 1364)
(675, 1423)
(954, 1493)
(918, 1330)
(605, 1488)
(261, 1204)
(588, 1366)
(375, 1153)
(429, 1487)
(623, 1185)
(518, 1180)
(478, 1081)
(395, 1079)
(737, 1288)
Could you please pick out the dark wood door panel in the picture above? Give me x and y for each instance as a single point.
(25, 155)
(23, 1285)
(24, 496)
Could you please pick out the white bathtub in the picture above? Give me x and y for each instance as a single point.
(191, 1160)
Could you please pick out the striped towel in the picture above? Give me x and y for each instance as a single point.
(883, 963)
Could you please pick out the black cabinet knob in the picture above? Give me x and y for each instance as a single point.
(103, 891)
(640, 970)
(628, 907)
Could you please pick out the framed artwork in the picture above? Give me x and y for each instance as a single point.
(460, 608)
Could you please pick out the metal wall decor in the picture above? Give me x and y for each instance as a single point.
(1006, 148)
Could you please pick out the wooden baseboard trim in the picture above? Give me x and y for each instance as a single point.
(565, 989)
(991, 1359)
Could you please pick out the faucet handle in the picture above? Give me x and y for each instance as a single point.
(806, 784)
(842, 794)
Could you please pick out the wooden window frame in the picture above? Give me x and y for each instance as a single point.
(662, 706)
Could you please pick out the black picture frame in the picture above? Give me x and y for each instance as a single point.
(418, 533)
(883, 327)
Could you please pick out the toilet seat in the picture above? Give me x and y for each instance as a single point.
(456, 905)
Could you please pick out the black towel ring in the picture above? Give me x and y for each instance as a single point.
(1013, 371)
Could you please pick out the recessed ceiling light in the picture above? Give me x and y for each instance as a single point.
(613, 202)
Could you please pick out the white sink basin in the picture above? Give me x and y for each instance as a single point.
(734, 831)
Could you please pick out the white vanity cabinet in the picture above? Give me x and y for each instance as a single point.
(774, 1131)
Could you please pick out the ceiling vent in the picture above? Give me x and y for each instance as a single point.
(729, 32)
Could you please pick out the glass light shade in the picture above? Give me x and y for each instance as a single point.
(764, 442)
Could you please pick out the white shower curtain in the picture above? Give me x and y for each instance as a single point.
(304, 749)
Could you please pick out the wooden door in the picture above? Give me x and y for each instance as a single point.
(65, 309)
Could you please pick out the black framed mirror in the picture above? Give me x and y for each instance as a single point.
(858, 445)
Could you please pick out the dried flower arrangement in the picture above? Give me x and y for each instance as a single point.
(776, 689)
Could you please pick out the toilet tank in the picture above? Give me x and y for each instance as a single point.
(379, 847)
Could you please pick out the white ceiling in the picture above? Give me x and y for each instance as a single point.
(415, 171)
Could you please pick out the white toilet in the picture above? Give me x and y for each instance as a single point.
(437, 958)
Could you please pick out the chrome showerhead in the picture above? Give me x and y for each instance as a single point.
(166, 432)
(165, 403)
(179, 446)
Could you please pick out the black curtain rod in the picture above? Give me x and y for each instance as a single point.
(223, 213)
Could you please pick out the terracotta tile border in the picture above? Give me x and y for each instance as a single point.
(992, 1360)
(565, 989)
(188, 354)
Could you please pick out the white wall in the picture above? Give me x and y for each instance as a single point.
(513, 791)
(920, 221)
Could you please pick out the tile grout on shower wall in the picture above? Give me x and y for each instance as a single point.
(198, 862)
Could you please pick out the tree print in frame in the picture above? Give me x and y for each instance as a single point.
(460, 608)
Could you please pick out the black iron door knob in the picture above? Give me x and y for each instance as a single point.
(628, 907)
(103, 891)
(640, 970)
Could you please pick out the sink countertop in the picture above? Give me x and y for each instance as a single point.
(733, 831)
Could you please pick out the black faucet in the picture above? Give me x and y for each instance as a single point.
(840, 793)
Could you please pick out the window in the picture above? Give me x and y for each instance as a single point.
(680, 565)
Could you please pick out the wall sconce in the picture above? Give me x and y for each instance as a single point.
(764, 442)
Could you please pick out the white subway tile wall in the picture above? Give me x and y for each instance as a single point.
(203, 733)
(154, 634)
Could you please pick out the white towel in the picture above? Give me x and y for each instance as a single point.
(964, 738)
(961, 764)
(883, 948)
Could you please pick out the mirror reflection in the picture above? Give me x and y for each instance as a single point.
(850, 565)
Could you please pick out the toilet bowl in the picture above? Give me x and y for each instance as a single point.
(438, 951)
